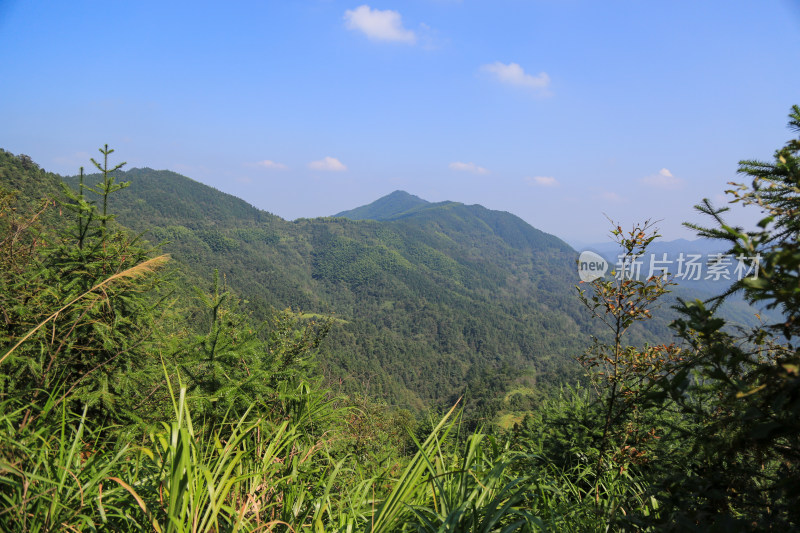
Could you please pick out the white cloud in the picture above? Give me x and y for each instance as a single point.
(543, 181)
(272, 165)
(379, 25)
(468, 167)
(611, 196)
(663, 180)
(513, 74)
(330, 164)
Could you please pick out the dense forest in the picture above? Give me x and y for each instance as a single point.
(174, 359)
(453, 301)
(428, 302)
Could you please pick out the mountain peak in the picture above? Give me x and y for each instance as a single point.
(387, 207)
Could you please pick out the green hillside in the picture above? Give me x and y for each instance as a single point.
(29, 182)
(442, 296)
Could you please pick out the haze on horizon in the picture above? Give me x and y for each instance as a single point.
(559, 112)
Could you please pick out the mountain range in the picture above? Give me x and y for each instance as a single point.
(429, 301)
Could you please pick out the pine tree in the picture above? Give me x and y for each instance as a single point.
(96, 347)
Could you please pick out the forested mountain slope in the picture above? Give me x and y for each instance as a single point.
(438, 300)
(441, 296)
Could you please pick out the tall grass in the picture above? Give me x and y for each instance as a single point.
(58, 472)
(447, 489)
(55, 472)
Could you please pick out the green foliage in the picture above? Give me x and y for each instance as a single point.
(224, 364)
(560, 445)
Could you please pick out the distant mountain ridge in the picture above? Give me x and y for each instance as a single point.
(658, 246)
(411, 209)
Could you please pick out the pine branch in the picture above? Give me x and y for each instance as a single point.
(135, 272)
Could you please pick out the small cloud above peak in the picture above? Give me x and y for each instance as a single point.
(663, 180)
(542, 181)
(379, 25)
(272, 165)
(328, 164)
(514, 74)
(468, 167)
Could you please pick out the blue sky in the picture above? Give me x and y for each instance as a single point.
(558, 111)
